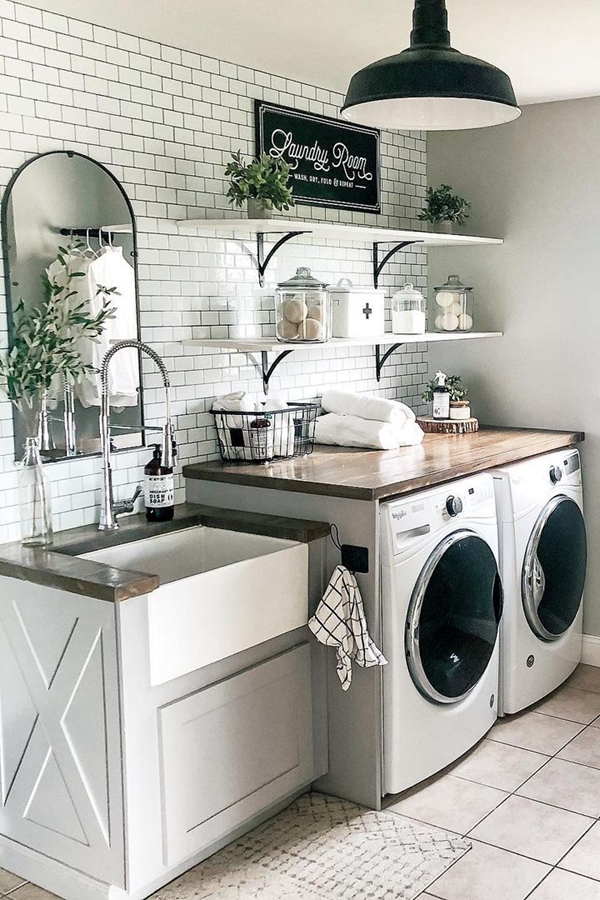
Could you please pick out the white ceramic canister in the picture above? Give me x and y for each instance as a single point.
(409, 311)
(357, 311)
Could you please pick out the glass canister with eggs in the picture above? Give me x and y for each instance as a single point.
(453, 306)
(302, 309)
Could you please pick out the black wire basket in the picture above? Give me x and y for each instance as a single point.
(261, 437)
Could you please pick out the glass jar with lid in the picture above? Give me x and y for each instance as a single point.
(408, 311)
(302, 309)
(453, 306)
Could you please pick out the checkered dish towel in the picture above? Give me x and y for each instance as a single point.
(340, 622)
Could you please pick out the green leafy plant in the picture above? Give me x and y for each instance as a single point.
(46, 336)
(444, 206)
(454, 384)
(264, 179)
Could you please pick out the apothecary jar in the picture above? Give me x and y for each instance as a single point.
(453, 304)
(303, 309)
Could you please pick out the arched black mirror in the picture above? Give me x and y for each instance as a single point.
(63, 212)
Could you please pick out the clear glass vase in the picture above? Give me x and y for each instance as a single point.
(34, 498)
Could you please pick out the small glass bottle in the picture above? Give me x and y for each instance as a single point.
(453, 306)
(34, 498)
(441, 398)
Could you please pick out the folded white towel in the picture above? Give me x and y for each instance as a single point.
(367, 406)
(283, 427)
(233, 430)
(340, 622)
(350, 431)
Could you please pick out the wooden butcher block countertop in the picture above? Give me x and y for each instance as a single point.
(377, 475)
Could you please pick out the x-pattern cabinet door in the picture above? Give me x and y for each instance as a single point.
(60, 744)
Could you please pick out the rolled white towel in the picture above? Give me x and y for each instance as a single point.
(238, 401)
(350, 431)
(367, 406)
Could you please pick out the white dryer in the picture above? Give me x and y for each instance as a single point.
(441, 607)
(543, 555)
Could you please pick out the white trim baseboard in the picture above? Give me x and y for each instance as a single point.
(590, 652)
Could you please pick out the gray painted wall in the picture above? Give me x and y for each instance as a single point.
(536, 183)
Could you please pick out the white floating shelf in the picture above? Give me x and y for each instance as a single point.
(272, 345)
(249, 228)
(392, 342)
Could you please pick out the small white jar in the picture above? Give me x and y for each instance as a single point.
(460, 410)
(409, 311)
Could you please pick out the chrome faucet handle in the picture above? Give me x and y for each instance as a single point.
(122, 507)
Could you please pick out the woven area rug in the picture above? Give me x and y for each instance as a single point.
(323, 848)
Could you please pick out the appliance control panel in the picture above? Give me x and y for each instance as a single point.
(406, 522)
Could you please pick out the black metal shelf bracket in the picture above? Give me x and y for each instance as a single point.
(380, 360)
(259, 259)
(264, 369)
(378, 265)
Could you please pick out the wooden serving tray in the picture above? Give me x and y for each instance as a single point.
(448, 426)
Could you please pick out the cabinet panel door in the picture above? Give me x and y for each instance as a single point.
(60, 740)
(234, 748)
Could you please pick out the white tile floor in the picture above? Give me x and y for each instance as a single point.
(528, 797)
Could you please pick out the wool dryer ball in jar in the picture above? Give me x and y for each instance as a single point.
(450, 322)
(294, 310)
(310, 330)
(287, 331)
(316, 311)
(444, 298)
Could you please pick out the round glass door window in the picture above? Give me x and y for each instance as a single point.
(554, 569)
(453, 618)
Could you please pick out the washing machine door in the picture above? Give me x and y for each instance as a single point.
(453, 618)
(554, 569)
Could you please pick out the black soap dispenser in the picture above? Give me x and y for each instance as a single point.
(159, 490)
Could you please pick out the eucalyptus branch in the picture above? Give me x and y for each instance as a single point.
(47, 336)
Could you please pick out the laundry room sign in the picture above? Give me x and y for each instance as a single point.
(332, 163)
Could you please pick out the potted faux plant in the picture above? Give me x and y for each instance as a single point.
(262, 184)
(443, 209)
(459, 405)
(45, 343)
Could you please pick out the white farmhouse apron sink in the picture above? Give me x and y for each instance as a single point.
(220, 592)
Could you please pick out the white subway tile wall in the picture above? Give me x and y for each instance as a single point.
(164, 121)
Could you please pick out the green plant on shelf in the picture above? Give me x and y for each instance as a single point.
(454, 384)
(264, 179)
(443, 206)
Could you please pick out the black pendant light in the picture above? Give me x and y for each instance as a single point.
(430, 86)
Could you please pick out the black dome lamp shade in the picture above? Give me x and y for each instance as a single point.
(430, 86)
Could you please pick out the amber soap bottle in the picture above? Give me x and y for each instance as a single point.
(159, 489)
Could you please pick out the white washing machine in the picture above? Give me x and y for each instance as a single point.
(441, 605)
(543, 554)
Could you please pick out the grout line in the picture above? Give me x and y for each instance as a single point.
(593, 819)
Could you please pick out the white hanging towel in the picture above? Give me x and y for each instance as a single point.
(340, 622)
(367, 406)
(108, 270)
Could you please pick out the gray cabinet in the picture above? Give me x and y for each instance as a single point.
(234, 748)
